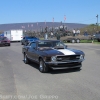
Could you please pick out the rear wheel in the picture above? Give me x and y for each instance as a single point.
(78, 41)
(26, 60)
(43, 67)
(73, 41)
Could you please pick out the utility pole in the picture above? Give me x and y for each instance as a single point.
(97, 22)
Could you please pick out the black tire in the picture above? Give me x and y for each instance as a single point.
(98, 40)
(72, 41)
(43, 68)
(9, 45)
(21, 43)
(26, 60)
(77, 40)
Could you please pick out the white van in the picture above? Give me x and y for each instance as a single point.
(14, 35)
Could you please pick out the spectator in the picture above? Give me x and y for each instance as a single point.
(46, 36)
(51, 34)
(58, 36)
(78, 32)
(74, 32)
(85, 33)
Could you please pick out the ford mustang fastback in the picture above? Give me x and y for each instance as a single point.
(52, 54)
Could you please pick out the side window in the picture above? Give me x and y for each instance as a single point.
(33, 45)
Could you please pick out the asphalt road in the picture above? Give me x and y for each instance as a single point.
(19, 81)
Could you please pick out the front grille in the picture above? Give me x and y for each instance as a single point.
(67, 64)
(69, 57)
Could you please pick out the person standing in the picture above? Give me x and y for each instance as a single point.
(58, 35)
(74, 32)
(78, 32)
(45, 36)
(51, 34)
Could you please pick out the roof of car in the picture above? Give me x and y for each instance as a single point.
(44, 41)
(48, 40)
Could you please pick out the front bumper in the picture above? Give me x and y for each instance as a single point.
(5, 43)
(64, 65)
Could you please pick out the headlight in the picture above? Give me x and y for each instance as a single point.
(53, 58)
(81, 57)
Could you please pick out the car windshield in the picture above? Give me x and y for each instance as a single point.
(50, 44)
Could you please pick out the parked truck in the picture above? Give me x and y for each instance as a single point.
(14, 35)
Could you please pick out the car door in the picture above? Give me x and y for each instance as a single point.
(32, 51)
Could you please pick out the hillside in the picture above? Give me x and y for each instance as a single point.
(39, 25)
(91, 29)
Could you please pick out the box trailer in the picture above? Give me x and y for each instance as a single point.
(14, 35)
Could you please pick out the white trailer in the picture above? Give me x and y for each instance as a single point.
(14, 35)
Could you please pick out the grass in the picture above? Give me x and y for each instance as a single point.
(90, 41)
(96, 42)
(86, 41)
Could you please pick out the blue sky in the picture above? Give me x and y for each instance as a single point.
(76, 11)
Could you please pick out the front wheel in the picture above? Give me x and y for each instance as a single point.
(26, 60)
(21, 43)
(43, 67)
(9, 44)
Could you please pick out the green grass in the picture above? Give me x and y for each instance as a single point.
(96, 42)
(90, 41)
(86, 41)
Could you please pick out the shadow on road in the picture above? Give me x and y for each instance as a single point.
(60, 71)
(4, 46)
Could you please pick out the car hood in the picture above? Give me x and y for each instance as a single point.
(63, 52)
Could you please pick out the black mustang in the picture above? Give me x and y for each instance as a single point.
(52, 54)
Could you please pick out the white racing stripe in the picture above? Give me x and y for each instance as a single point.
(66, 52)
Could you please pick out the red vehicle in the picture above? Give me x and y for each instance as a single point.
(4, 41)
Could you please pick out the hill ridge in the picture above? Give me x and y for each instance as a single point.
(39, 25)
